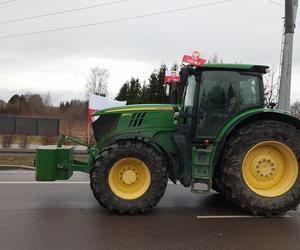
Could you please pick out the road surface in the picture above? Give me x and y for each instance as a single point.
(65, 215)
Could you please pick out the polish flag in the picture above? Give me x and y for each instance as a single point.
(171, 76)
(194, 59)
(97, 103)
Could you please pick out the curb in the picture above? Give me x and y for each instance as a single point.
(11, 167)
(33, 151)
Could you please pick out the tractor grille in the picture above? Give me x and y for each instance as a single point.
(137, 119)
(104, 124)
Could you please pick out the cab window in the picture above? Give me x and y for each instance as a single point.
(221, 95)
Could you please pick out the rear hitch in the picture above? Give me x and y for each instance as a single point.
(56, 162)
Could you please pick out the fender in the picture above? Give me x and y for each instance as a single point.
(242, 119)
(171, 164)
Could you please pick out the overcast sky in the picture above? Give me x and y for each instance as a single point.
(247, 31)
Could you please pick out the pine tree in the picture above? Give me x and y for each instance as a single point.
(145, 93)
(156, 86)
(134, 95)
(130, 92)
(123, 93)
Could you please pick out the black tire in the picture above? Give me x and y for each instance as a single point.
(232, 182)
(216, 181)
(100, 173)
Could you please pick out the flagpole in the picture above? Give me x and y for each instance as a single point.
(88, 120)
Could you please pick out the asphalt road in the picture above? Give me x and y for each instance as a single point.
(65, 215)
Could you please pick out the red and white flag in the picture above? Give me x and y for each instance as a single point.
(194, 59)
(172, 76)
(97, 103)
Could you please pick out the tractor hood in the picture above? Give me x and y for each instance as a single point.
(136, 108)
(146, 120)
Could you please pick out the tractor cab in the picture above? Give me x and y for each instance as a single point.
(214, 93)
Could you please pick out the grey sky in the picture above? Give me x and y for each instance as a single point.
(238, 31)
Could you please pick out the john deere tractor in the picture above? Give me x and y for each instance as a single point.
(219, 137)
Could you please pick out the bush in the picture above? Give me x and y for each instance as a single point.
(6, 141)
(24, 141)
(49, 140)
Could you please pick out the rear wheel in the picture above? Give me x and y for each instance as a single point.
(129, 177)
(260, 171)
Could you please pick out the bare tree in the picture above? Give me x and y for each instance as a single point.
(46, 99)
(271, 87)
(295, 109)
(97, 81)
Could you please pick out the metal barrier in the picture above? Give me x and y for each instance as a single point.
(14, 125)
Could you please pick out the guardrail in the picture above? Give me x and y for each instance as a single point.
(33, 151)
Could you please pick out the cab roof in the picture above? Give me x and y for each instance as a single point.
(241, 67)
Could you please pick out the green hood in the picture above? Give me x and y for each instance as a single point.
(139, 107)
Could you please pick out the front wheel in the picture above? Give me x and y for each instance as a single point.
(129, 177)
(260, 171)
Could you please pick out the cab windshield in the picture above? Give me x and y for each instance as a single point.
(223, 94)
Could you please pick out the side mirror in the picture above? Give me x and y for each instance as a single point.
(167, 89)
(184, 75)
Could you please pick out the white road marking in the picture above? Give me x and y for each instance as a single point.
(236, 216)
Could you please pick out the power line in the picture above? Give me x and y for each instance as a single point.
(8, 1)
(113, 20)
(274, 2)
(279, 4)
(61, 12)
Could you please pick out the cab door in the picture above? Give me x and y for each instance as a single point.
(221, 95)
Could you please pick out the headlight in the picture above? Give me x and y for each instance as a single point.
(104, 124)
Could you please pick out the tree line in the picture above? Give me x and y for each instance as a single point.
(40, 105)
(134, 91)
(26, 104)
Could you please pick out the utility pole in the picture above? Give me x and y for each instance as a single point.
(291, 7)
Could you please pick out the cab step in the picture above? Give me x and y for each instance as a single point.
(201, 163)
(201, 186)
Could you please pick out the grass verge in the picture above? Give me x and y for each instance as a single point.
(29, 161)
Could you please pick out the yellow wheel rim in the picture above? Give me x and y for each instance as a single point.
(129, 178)
(270, 168)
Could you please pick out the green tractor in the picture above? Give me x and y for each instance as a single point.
(219, 137)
